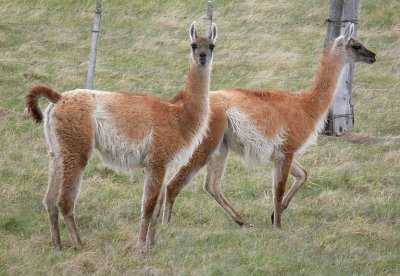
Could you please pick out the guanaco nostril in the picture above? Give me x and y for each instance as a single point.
(202, 55)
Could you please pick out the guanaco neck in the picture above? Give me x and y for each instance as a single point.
(321, 94)
(195, 98)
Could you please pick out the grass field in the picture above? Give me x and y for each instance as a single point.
(346, 219)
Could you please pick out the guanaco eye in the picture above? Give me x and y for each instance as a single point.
(194, 46)
(212, 46)
(356, 47)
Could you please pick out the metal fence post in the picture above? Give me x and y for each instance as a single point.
(93, 45)
(209, 17)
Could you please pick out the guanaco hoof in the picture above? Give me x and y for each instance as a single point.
(240, 223)
(246, 225)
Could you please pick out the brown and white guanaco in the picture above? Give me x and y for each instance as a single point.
(128, 130)
(267, 125)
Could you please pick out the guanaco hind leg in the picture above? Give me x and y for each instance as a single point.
(199, 159)
(68, 159)
(62, 191)
(212, 183)
(51, 197)
(177, 183)
(72, 175)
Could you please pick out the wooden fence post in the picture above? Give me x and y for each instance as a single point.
(341, 115)
(335, 16)
(209, 17)
(93, 45)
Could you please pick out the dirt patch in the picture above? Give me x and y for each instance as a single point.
(5, 115)
(34, 75)
(328, 197)
(358, 138)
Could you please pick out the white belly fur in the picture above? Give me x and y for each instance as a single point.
(244, 138)
(117, 150)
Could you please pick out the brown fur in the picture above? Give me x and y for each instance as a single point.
(32, 100)
(298, 114)
(129, 130)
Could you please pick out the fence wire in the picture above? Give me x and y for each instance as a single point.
(247, 59)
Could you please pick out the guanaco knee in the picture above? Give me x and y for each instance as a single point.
(50, 202)
(52, 209)
(208, 188)
(302, 177)
(279, 191)
(172, 192)
(66, 206)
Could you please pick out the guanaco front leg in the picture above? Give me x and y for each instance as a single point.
(300, 175)
(281, 173)
(151, 198)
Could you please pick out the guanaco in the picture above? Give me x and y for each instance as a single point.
(267, 125)
(128, 130)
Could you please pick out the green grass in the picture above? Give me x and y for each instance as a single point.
(344, 221)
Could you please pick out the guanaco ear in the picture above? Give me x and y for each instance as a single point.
(348, 31)
(214, 32)
(192, 32)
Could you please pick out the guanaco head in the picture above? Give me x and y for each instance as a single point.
(355, 51)
(202, 47)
